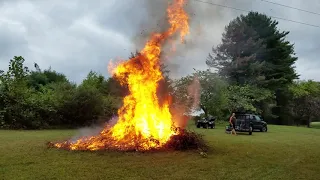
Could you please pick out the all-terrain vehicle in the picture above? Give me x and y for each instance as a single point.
(208, 122)
(248, 123)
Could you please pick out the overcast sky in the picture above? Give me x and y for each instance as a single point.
(76, 36)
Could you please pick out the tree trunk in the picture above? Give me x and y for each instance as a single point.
(204, 110)
(309, 122)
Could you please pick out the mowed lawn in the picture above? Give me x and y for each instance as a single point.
(282, 153)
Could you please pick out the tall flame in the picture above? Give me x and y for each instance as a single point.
(142, 120)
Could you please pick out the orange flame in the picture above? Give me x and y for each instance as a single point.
(143, 121)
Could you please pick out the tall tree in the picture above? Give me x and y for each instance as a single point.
(254, 51)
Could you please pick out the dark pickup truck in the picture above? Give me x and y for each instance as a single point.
(248, 123)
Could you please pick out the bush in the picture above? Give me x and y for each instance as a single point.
(83, 108)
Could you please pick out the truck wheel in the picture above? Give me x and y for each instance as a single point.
(198, 125)
(264, 129)
(250, 130)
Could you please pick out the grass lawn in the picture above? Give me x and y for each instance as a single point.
(315, 125)
(282, 153)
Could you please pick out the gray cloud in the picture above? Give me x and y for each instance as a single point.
(77, 36)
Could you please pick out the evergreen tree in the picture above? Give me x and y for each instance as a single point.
(254, 51)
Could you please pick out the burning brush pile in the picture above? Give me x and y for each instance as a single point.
(181, 140)
(143, 122)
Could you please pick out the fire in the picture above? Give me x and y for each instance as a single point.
(143, 123)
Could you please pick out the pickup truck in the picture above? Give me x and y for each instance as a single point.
(248, 123)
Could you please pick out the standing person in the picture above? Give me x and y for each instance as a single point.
(232, 121)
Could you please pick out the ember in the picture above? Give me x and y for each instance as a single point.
(143, 123)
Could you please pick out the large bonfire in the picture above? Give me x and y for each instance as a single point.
(143, 123)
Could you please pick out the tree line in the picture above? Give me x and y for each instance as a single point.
(252, 69)
(35, 99)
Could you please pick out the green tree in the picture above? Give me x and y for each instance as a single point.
(213, 96)
(84, 107)
(97, 100)
(39, 78)
(236, 58)
(181, 98)
(15, 94)
(93, 79)
(305, 103)
(202, 89)
(254, 51)
(245, 98)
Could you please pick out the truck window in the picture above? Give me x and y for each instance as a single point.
(257, 118)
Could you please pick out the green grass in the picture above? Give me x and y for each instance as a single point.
(315, 125)
(282, 153)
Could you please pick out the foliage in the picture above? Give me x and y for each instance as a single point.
(14, 91)
(84, 107)
(39, 78)
(180, 94)
(254, 51)
(305, 88)
(93, 79)
(305, 103)
(245, 98)
(202, 89)
(219, 98)
(237, 56)
(213, 99)
(46, 99)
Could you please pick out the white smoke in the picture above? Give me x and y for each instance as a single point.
(206, 23)
(94, 129)
(194, 91)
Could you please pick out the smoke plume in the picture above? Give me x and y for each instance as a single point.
(206, 24)
(94, 129)
(194, 92)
